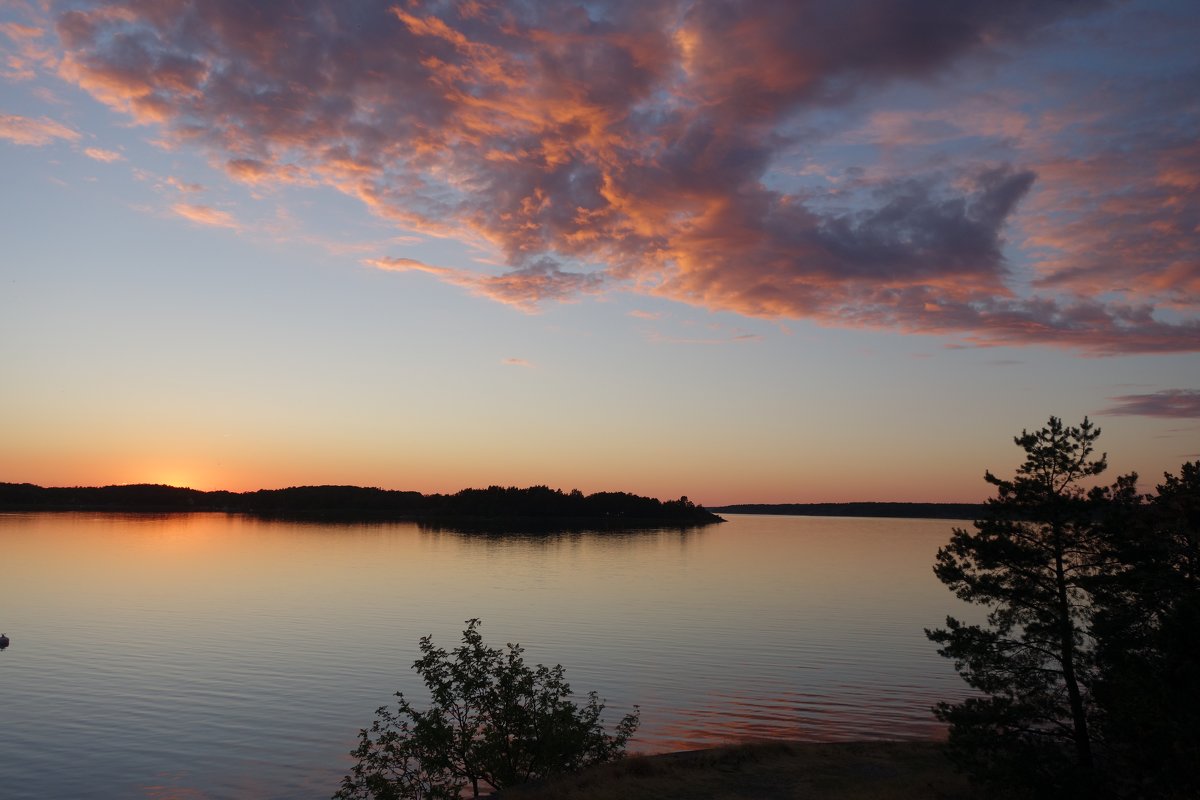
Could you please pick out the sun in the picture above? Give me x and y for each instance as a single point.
(179, 478)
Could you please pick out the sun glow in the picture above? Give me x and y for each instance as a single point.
(180, 478)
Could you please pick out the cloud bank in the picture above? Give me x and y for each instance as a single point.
(670, 148)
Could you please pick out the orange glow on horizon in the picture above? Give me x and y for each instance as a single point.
(182, 476)
(771, 482)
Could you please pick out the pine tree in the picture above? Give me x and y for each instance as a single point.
(1032, 562)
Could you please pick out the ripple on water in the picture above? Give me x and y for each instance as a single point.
(216, 657)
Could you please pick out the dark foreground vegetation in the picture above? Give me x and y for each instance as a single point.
(493, 722)
(493, 508)
(769, 771)
(497, 727)
(1086, 671)
(1088, 668)
(893, 510)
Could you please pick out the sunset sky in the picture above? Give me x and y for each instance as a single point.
(793, 251)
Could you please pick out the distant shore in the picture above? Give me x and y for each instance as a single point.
(495, 509)
(893, 510)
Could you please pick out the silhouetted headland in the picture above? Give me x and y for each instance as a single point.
(895, 510)
(494, 508)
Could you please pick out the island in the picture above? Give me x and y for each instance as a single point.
(496, 508)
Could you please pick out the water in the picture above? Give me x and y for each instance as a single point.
(215, 656)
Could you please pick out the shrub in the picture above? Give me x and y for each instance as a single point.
(492, 720)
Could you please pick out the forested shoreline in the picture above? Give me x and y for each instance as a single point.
(496, 506)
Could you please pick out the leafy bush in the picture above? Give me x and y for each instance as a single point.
(492, 720)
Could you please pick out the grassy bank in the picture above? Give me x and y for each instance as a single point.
(768, 771)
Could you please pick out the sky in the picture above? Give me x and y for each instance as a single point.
(793, 251)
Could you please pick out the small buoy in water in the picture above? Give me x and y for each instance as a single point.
(3, 641)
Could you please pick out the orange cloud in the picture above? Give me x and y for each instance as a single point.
(206, 215)
(638, 146)
(404, 265)
(18, 69)
(256, 172)
(30, 51)
(18, 32)
(1105, 227)
(525, 288)
(34, 132)
(184, 186)
(107, 156)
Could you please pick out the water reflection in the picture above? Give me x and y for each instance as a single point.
(526, 530)
(240, 656)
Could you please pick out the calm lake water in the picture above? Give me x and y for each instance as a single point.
(215, 656)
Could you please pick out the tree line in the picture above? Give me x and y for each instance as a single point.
(1087, 669)
(860, 509)
(532, 506)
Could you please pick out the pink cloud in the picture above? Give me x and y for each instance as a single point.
(255, 172)
(184, 186)
(524, 288)
(979, 117)
(1117, 211)
(206, 215)
(518, 362)
(17, 69)
(30, 52)
(633, 146)
(405, 265)
(99, 154)
(34, 132)
(162, 184)
(18, 32)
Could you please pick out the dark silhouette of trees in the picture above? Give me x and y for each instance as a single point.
(492, 720)
(1088, 667)
(1146, 624)
(1029, 561)
(535, 507)
(143, 497)
(870, 509)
